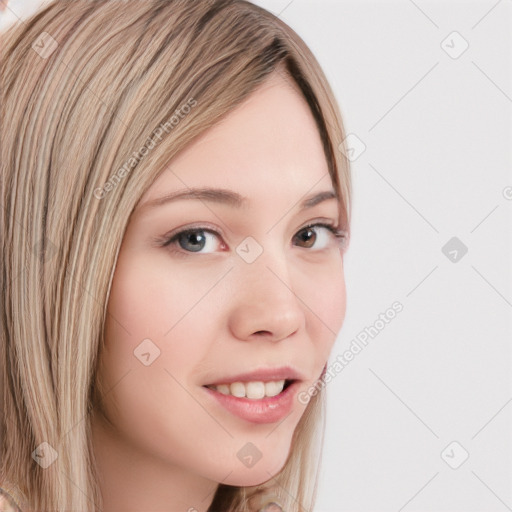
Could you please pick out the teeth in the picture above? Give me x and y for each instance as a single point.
(273, 388)
(252, 390)
(237, 389)
(224, 389)
(255, 390)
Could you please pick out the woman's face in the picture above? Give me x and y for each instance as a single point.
(248, 290)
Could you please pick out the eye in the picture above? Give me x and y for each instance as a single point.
(201, 240)
(193, 240)
(310, 235)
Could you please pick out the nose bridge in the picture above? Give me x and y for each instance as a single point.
(265, 298)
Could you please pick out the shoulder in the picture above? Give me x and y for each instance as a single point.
(7, 503)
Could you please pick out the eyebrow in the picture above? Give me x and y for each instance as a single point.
(230, 198)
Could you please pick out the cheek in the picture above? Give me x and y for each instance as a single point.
(144, 298)
(151, 299)
(151, 330)
(324, 296)
(158, 321)
(153, 319)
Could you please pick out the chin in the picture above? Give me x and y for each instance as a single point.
(258, 474)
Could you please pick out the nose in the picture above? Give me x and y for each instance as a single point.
(265, 304)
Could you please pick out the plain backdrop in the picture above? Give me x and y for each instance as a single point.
(420, 418)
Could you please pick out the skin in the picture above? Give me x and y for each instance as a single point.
(160, 442)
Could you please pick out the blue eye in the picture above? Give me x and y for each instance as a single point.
(196, 240)
(192, 240)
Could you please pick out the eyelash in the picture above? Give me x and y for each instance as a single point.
(172, 239)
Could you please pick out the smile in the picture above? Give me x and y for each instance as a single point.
(255, 390)
(264, 395)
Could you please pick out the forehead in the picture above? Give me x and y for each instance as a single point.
(269, 145)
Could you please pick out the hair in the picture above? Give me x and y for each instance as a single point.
(86, 86)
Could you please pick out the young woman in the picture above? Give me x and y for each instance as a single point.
(175, 211)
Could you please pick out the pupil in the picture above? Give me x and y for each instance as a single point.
(197, 241)
(308, 237)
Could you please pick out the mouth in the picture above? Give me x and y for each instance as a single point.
(253, 390)
(262, 396)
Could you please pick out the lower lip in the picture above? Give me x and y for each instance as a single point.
(264, 410)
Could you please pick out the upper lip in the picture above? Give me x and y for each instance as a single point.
(262, 374)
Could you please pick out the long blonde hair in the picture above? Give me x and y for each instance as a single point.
(84, 85)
